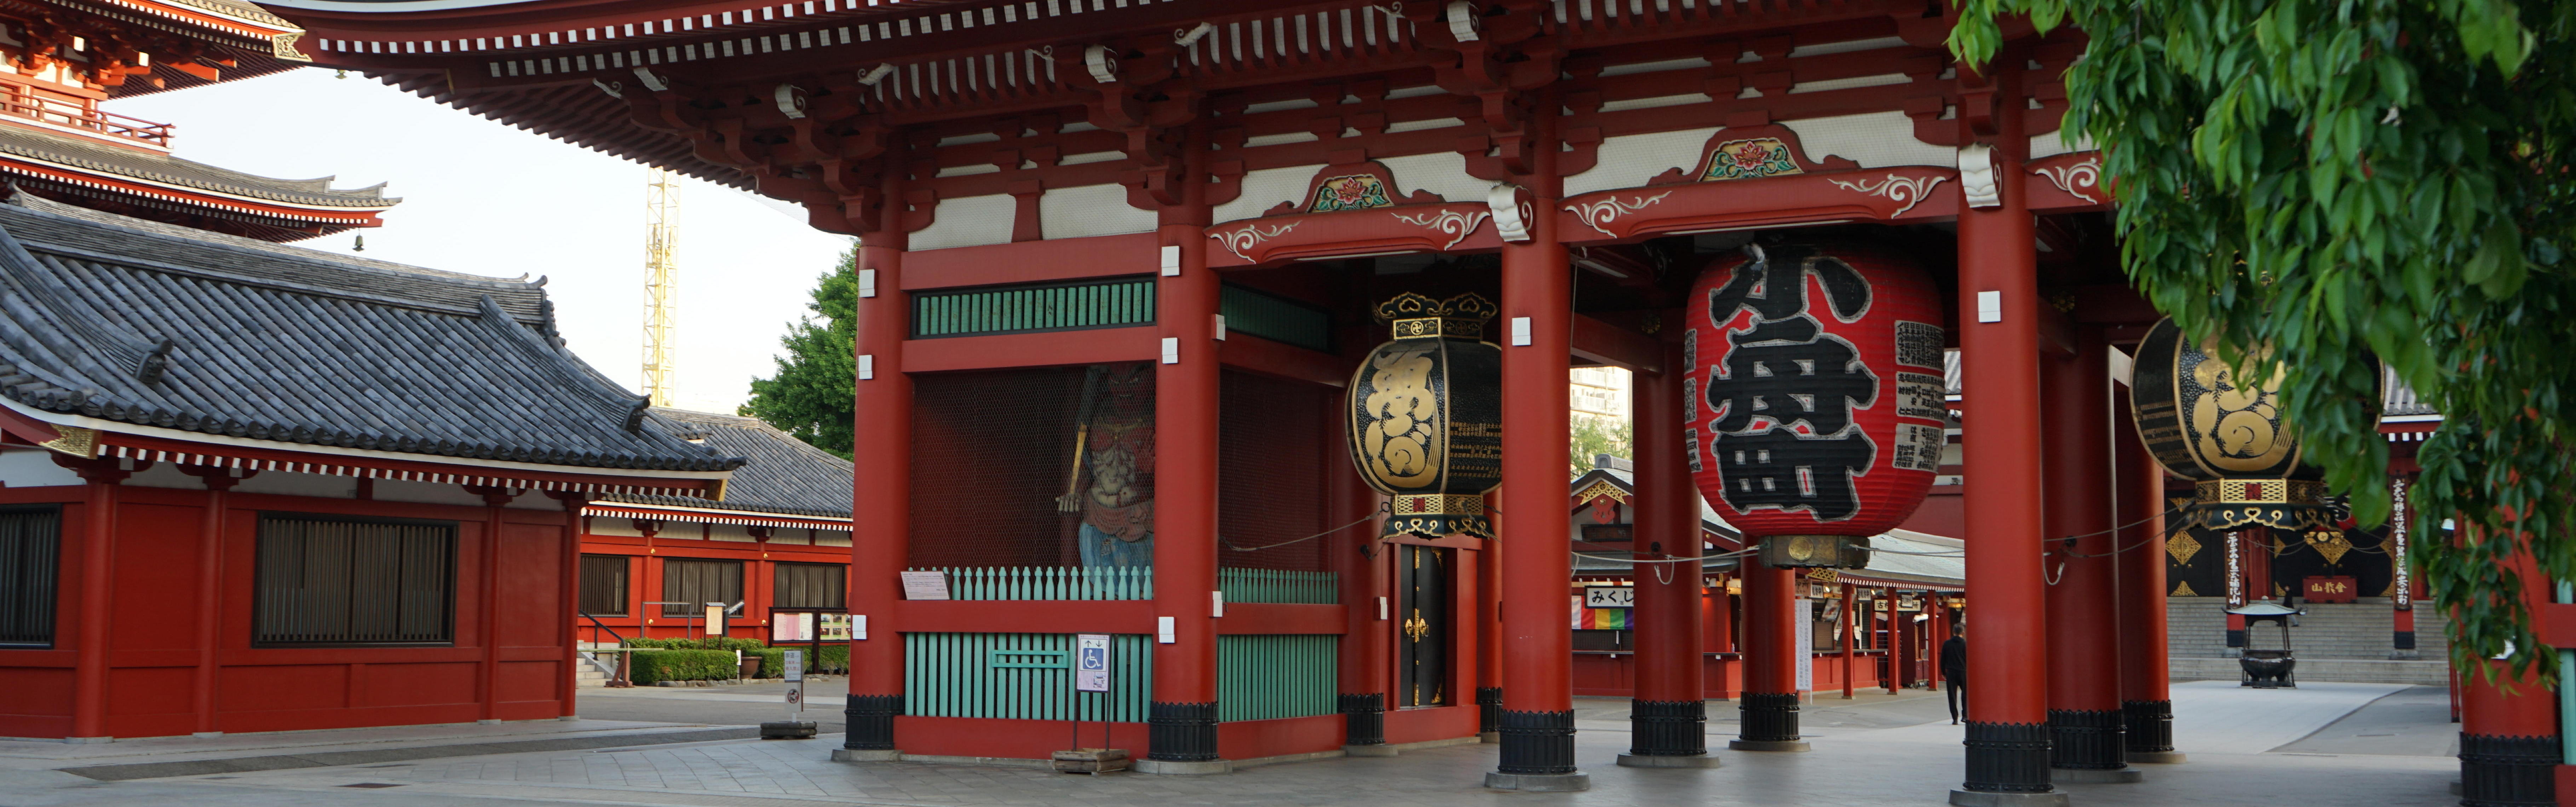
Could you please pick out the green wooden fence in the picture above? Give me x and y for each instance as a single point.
(1272, 585)
(1049, 582)
(1273, 676)
(1022, 309)
(1025, 676)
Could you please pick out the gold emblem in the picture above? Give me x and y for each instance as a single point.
(2329, 543)
(2182, 547)
(1415, 628)
(76, 441)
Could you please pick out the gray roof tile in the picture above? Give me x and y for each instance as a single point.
(783, 475)
(155, 166)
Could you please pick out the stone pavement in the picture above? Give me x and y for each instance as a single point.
(1899, 750)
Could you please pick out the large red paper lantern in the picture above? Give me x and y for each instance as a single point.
(1814, 401)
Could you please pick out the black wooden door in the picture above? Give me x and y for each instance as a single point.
(1422, 635)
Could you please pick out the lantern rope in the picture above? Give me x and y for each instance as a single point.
(1382, 509)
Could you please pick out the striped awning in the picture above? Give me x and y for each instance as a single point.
(742, 517)
(486, 479)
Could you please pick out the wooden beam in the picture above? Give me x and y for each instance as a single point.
(1032, 261)
(1603, 343)
(1045, 349)
(1282, 360)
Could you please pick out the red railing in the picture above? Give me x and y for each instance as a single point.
(76, 115)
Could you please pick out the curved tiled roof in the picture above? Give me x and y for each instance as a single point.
(270, 342)
(154, 166)
(783, 474)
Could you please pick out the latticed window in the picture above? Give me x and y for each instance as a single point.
(603, 584)
(811, 585)
(694, 583)
(30, 551)
(330, 580)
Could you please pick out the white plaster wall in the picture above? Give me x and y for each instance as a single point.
(33, 468)
(319, 485)
(969, 221)
(2054, 143)
(164, 475)
(1089, 210)
(1873, 139)
(831, 537)
(1266, 188)
(1627, 161)
(1443, 173)
(620, 526)
(397, 490)
(729, 532)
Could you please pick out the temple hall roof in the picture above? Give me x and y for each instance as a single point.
(157, 325)
(782, 474)
(161, 168)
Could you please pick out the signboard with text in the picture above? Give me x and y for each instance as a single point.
(1091, 662)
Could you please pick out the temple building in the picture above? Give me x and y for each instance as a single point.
(251, 487)
(778, 545)
(62, 61)
(1240, 334)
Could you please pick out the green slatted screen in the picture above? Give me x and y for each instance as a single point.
(1022, 676)
(1276, 318)
(1268, 677)
(1027, 309)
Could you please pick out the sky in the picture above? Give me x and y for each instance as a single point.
(490, 199)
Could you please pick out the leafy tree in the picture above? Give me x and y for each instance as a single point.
(810, 396)
(1594, 435)
(2332, 179)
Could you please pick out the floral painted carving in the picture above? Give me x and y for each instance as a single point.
(1598, 214)
(1750, 158)
(1349, 192)
(1898, 187)
(1448, 222)
(2077, 179)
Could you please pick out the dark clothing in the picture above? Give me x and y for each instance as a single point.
(1954, 670)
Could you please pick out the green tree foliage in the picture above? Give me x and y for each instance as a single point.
(2334, 179)
(1592, 435)
(811, 394)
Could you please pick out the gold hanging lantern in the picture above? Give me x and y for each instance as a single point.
(2224, 433)
(1426, 415)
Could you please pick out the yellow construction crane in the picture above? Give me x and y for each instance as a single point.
(661, 241)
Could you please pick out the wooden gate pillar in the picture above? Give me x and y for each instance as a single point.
(2083, 663)
(1182, 715)
(1360, 560)
(1668, 718)
(2146, 705)
(2509, 743)
(881, 497)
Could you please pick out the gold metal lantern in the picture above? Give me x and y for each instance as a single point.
(1426, 415)
(2225, 433)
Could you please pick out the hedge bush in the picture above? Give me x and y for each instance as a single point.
(682, 665)
(710, 643)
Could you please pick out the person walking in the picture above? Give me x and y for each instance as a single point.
(1954, 671)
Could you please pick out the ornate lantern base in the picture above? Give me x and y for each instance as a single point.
(1435, 515)
(2294, 504)
(1814, 551)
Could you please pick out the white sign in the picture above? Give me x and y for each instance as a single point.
(1091, 662)
(925, 585)
(1163, 630)
(715, 619)
(1610, 597)
(795, 666)
(1805, 644)
(792, 628)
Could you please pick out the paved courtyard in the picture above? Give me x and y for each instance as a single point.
(2322, 743)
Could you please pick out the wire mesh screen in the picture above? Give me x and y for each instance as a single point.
(30, 550)
(1037, 467)
(1271, 448)
(332, 581)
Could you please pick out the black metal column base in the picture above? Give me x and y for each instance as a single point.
(2148, 727)
(1667, 728)
(2086, 740)
(2007, 758)
(870, 722)
(1363, 718)
(1537, 744)
(1770, 718)
(1489, 709)
(2500, 771)
(1180, 732)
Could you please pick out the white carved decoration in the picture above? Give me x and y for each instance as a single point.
(1464, 23)
(1512, 217)
(1910, 190)
(1103, 66)
(1251, 235)
(1977, 176)
(1609, 209)
(2068, 178)
(1457, 225)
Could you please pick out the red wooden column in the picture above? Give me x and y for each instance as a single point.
(210, 598)
(2007, 734)
(2509, 743)
(98, 555)
(1537, 719)
(2146, 704)
(2083, 640)
(488, 597)
(1489, 638)
(1668, 718)
(569, 599)
(1182, 714)
(881, 494)
(1366, 675)
(1772, 652)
